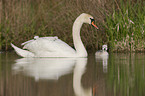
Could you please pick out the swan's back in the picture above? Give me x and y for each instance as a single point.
(51, 45)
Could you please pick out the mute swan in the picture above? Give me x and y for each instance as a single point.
(54, 47)
(102, 52)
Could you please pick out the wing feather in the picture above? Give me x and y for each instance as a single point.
(49, 44)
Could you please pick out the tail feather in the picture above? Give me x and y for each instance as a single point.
(21, 52)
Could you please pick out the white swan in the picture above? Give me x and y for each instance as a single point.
(54, 47)
(102, 52)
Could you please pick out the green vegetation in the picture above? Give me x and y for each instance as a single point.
(121, 22)
(125, 26)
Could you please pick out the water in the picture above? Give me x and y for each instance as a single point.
(118, 75)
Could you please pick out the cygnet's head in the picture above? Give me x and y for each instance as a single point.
(86, 18)
(104, 47)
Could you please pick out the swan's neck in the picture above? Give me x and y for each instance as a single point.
(80, 49)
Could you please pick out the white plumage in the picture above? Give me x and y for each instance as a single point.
(41, 47)
(102, 52)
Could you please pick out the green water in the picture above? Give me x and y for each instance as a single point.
(118, 75)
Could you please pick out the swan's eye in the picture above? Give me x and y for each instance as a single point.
(92, 20)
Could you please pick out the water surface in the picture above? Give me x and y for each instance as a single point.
(117, 75)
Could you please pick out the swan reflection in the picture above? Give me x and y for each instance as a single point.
(44, 68)
(79, 70)
(53, 69)
(104, 60)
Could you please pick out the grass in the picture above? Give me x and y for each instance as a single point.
(22, 20)
(125, 27)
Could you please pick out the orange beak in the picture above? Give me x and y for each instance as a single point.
(94, 24)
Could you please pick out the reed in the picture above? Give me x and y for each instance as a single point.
(21, 20)
(125, 27)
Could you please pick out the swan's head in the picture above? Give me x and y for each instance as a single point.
(86, 18)
(104, 47)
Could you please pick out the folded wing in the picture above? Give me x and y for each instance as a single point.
(47, 44)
